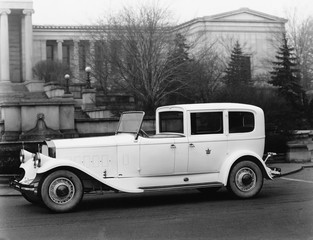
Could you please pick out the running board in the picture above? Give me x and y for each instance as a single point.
(182, 186)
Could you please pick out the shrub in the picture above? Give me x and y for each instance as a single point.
(51, 71)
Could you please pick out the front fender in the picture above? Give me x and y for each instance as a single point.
(229, 162)
(29, 172)
(54, 163)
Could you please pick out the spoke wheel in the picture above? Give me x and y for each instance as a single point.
(61, 191)
(245, 179)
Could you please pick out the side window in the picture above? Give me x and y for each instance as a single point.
(171, 122)
(241, 122)
(206, 123)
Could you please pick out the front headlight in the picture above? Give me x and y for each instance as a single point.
(25, 155)
(37, 160)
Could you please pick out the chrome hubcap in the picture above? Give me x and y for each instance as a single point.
(61, 190)
(245, 179)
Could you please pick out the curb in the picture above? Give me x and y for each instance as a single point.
(5, 189)
(295, 171)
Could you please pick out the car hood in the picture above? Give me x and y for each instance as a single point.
(91, 142)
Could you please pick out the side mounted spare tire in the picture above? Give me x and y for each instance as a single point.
(245, 179)
(61, 191)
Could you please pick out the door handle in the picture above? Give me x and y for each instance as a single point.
(173, 146)
(191, 145)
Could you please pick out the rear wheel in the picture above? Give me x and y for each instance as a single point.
(245, 179)
(61, 191)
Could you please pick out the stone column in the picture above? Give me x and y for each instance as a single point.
(4, 45)
(89, 98)
(60, 55)
(75, 64)
(28, 50)
(91, 54)
(43, 45)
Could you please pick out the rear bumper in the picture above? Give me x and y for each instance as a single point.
(274, 171)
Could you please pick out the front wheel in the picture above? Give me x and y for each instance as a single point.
(245, 179)
(61, 191)
(31, 197)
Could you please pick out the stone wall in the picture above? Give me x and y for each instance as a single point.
(102, 127)
(21, 117)
(9, 151)
(9, 155)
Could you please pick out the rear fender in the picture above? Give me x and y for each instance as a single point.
(238, 156)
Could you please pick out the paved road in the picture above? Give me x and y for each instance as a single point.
(283, 210)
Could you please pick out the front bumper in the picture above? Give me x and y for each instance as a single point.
(23, 187)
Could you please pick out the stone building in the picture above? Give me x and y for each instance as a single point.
(27, 103)
(256, 32)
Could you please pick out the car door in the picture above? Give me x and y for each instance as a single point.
(207, 141)
(157, 156)
(181, 155)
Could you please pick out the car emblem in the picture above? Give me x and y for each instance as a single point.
(208, 151)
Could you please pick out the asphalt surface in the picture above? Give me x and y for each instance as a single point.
(282, 211)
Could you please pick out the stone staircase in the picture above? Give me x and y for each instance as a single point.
(80, 114)
(12, 92)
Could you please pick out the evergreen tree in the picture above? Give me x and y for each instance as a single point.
(238, 71)
(179, 56)
(178, 66)
(285, 74)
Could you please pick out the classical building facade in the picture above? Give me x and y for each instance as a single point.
(256, 32)
(26, 101)
(23, 44)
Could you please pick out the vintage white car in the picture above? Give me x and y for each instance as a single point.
(201, 146)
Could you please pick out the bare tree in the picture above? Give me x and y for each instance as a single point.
(133, 51)
(300, 34)
(206, 80)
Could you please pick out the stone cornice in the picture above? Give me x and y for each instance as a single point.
(66, 27)
(16, 4)
(222, 18)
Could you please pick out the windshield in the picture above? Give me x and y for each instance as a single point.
(130, 122)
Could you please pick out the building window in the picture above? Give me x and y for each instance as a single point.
(206, 123)
(66, 54)
(82, 56)
(49, 50)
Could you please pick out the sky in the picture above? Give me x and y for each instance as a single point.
(84, 12)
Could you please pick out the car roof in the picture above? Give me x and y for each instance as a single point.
(211, 106)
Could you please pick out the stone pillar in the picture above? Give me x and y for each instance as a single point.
(75, 64)
(28, 44)
(60, 55)
(91, 54)
(43, 46)
(4, 45)
(89, 98)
